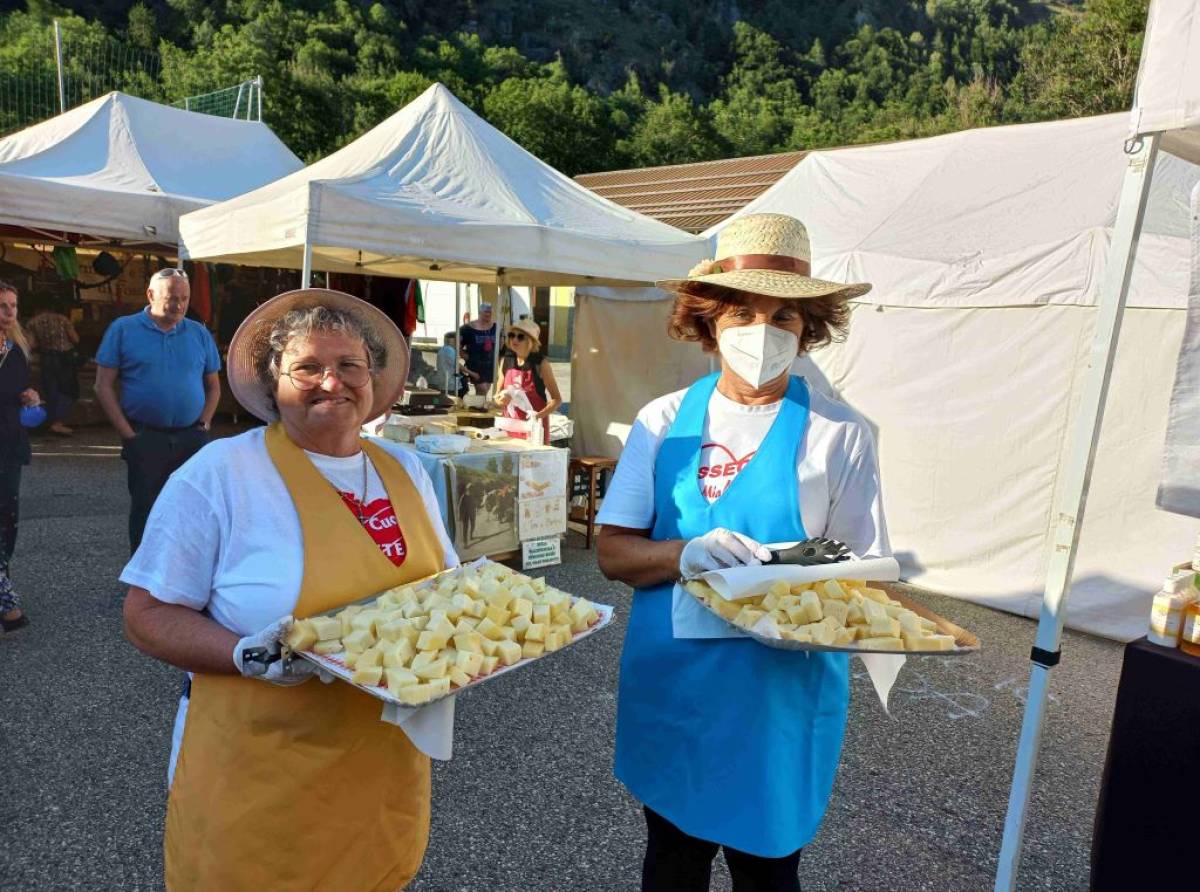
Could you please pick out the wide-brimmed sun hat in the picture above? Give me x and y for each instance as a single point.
(249, 342)
(765, 254)
(529, 327)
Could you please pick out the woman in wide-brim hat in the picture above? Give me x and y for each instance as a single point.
(278, 781)
(726, 743)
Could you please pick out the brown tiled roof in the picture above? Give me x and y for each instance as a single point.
(692, 196)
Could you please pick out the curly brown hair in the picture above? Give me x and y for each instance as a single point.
(698, 305)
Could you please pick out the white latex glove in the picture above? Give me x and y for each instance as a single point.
(280, 671)
(718, 550)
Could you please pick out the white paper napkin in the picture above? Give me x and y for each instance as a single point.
(430, 728)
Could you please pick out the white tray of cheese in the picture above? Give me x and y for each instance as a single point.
(418, 643)
(837, 615)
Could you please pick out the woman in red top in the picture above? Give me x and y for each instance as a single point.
(526, 368)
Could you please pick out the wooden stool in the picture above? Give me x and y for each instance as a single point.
(583, 473)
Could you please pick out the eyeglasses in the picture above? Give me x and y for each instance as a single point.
(353, 373)
(168, 273)
(516, 335)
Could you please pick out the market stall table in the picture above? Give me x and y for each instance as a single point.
(1143, 834)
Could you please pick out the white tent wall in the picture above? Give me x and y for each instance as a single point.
(987, 249)
(438, 299)
(972, 410)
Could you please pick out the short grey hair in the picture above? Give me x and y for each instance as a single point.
(273, 341)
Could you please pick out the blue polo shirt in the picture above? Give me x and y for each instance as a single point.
(161, 372)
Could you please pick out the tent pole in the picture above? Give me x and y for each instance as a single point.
(457, 334)
(306, 268)
(1069, 511)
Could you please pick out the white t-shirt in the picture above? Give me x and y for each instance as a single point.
(224, 537)
(836, 468)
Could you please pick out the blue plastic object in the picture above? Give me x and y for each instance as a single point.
(32, 416)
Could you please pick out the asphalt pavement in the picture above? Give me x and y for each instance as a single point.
(529, 802)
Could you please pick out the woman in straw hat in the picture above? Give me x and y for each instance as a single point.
(725, 742)
(525, 368)
(280, 782)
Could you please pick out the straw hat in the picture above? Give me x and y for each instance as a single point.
(765, 254)
(248, 344)
(529, 327)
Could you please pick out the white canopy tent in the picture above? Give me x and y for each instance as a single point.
(435, 192)
(987, 249)
(1166, 114)
(122, 170)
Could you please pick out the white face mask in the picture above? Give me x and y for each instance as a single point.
(758, 353)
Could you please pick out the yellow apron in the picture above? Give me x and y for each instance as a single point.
(291, 788)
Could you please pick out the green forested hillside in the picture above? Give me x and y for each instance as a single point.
(599, 84)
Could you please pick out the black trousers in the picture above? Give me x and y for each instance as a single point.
(60, 384)
(152, 456)
(676, 862)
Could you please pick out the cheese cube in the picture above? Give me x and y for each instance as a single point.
(538, 584)
(431, 641)
(880, 643)
(414, 694)
(461, 602)
(500, 598)
(488, 628)
(779, 589)
(440, 686)
(836, 610)
(535, 632)
(931, 643)
(811, 605)
(364, 620)
(875, 594)
(855, 615)
(727, 609)
(349, 660)
(541, 614)
(799, 588)
(302, 635)
(498, 615)
(580, 613)
(509, 652)
(795, 635)
(393, 630)
(326, 627)
(489, 664)
(489, 645)
(464, 626)
(470, 643)
(412, 609)
(372, 656)
(520, 625)
(522, 607)
(398, 653)
(844, 637)
(532, 649)
(469, 662)
(819, 632)
(747, 617)
(358, 640)
(420, 622)
(428, 668)
(398, 677)
(523, 591)
(331, 646)
(368, 676)
(833, 590)
(458, 678)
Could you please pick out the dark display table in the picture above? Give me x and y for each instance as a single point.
(1147, 830)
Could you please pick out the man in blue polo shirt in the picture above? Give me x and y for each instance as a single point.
(166, 367)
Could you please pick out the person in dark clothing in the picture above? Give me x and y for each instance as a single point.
(478, 341)
(15, 393)
(56, 340)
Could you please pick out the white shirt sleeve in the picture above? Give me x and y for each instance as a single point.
(629, 501)
(856, 500)
(178, 568)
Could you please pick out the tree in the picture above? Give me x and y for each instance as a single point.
(761, 95)
(1081, 66)
(671, 131)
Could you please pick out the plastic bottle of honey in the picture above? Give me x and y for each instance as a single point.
(1169, 610)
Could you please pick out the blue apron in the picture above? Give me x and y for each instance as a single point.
(730, 741)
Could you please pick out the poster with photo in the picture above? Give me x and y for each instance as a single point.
(483, 504)
(540, 518)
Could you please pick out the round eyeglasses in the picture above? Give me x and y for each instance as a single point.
(516, 335)
(309, 375)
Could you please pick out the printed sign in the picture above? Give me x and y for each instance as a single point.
(541, 553)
